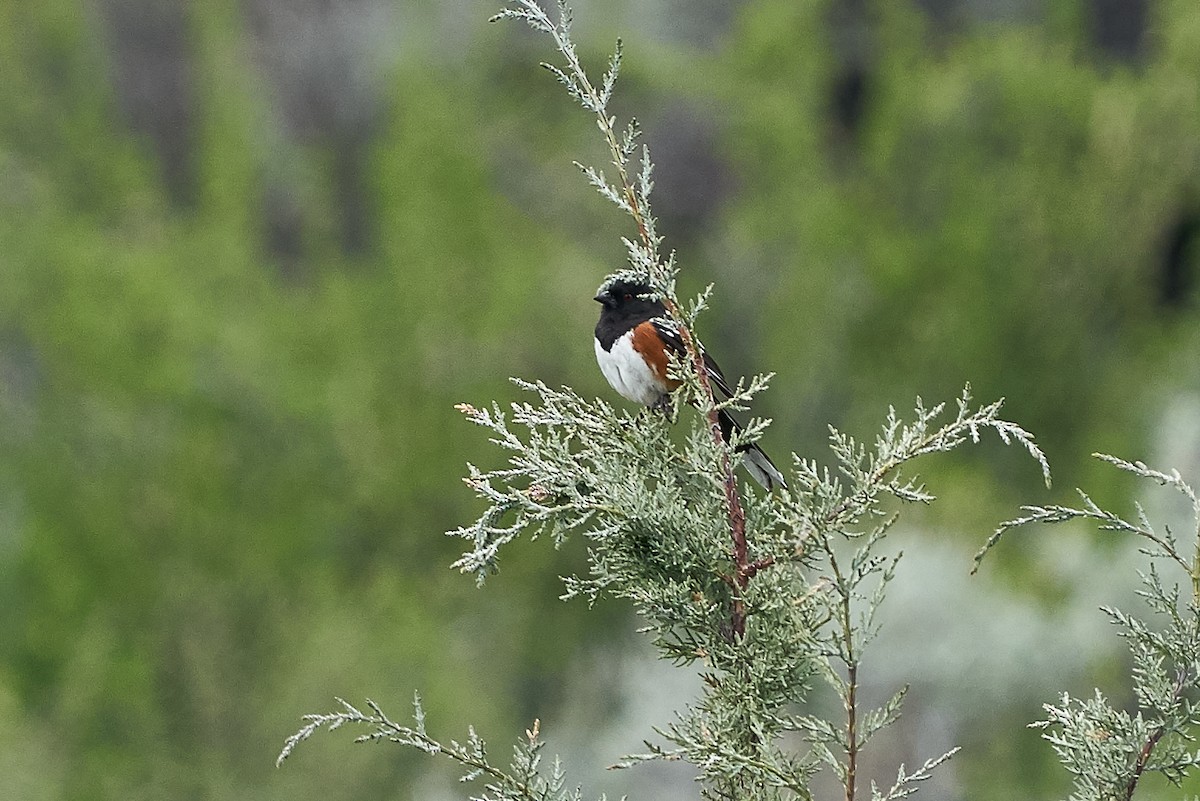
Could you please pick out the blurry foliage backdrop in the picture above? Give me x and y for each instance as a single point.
(253, 251)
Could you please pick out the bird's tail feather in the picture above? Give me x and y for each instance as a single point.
(762, 469)
(758, 464)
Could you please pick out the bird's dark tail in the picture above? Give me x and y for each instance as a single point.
(757, 463)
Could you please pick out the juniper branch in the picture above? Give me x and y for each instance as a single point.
(1109, 751)
(633, 197)
(522, 780)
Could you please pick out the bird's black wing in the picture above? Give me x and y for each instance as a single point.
(755, 458)
(670, 337)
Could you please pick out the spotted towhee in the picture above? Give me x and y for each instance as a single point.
(633, 338)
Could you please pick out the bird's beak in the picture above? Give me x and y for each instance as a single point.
(601, 298)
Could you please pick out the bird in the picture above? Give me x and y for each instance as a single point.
(633, 339)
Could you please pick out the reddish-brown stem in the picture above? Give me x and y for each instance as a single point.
(757, 565)
(1148, 747)
(850, 659)
(742, 573)
(1143, 758)
(852, 731)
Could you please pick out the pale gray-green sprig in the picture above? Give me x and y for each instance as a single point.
(523, 779)
(1108, 751)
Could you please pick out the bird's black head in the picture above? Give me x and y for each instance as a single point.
(630, 300)
(626, 304)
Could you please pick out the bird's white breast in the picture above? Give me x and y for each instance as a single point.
(628, 372)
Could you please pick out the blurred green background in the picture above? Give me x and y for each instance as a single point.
(253, 251)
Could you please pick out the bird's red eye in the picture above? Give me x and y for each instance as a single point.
(628, 296)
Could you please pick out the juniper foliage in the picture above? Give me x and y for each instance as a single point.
(1109, 750)
(522, 778)
(773, 596)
